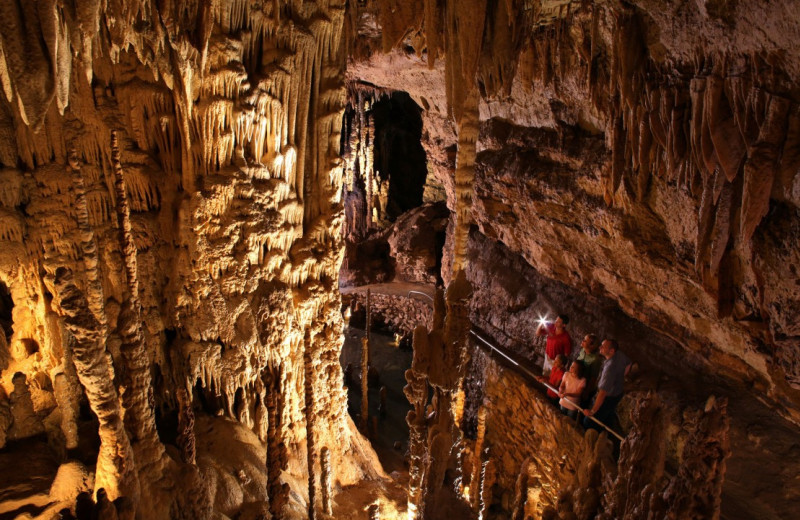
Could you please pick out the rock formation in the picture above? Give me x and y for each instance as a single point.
(170, 220)
(181, 182)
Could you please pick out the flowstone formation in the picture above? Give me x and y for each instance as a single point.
(170, 241)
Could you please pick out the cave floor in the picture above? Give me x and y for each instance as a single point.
(27, 468)
(391, 363)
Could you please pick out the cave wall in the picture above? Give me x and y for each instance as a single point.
(635, 165)
(225, 119)
(526, 434)
(644, 152)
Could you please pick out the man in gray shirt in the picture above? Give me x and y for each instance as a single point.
(610, 386)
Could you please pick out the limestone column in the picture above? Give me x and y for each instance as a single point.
(310, 413)
(139, 415)
(115, 470)
(325, 469)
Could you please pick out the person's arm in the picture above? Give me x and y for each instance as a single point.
(598, 402)
(545, 329)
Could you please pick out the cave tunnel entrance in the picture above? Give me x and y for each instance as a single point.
(388, 193)
(399, 156)
(395, 229)
(6, 306)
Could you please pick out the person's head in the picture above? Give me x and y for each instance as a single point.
(560, 361)
(608, 348)
(576, 369)
(590, 343)
(561, 321)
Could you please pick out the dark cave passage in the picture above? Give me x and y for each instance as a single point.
(399, 156)
(387, 428)
(6, 307)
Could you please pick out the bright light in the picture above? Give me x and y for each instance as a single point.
(542, 320)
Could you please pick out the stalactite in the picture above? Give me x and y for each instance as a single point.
(464, 177)
(762, 166)
(115, 469)
(139, 416)
(311, 418)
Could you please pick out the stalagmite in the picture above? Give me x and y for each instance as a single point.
(116, 469)
(475, 490)
(416, 391)
(311, 419)
(364, 384)
(276, 449)
(487, 480)
(521, 492)
(186, 438)
(24, 421)
(65, 394)
(139, 416)
(326, 477)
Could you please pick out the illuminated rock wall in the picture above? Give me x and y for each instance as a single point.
(228, 117)
(644, 152)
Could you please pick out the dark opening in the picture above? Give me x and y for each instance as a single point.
(6, 305)
(170, 335)
(31, 346)
(398, 153)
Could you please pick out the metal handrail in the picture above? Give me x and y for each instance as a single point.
(422, 293)
(531, 374)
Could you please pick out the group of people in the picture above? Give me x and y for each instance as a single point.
(592, 382)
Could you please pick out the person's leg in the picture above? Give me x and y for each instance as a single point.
(585, 421)
(608, 410)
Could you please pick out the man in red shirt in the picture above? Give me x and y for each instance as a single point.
(558, 340)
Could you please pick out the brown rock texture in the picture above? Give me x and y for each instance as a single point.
(181, 181)
(634, 167)
(170, 221)
(637, 151)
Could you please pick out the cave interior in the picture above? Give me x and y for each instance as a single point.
(291, 259)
